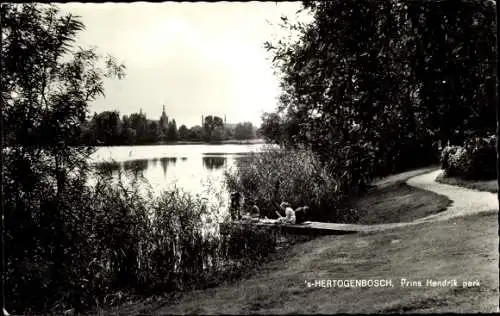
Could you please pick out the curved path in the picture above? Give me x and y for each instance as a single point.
(464, 202)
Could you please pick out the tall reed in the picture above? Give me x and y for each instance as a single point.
(295, 176)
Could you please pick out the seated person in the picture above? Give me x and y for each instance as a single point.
(234, 208)
(253, 209)
(289, 214)
(250, 211)
(301, 214)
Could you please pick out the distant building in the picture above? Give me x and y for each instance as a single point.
(164, 119)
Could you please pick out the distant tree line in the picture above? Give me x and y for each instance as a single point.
(108, 128)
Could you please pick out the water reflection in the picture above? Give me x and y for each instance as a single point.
(226, 154)
(107, 168)
(165, 161)
(188, 174)
(214, 163)
(154, 162)
(136, 167)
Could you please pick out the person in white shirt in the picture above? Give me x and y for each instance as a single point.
(289, 217)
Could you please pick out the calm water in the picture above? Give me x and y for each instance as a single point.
(193, 168)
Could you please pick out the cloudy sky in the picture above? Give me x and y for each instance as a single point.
(196, 58)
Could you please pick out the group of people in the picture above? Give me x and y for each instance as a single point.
(296, 216)
(288, 215)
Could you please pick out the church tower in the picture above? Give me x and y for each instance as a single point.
(164, 119)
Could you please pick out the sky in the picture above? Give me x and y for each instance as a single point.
(195, 58)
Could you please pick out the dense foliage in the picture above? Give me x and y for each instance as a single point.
(473, 161)
(379, 96)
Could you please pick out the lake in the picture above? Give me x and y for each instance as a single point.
(193, 168)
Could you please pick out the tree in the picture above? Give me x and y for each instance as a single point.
(244, 131)
(228, 132)
(258, 133)
(218, 133)
(153, 132)
(172, 133)
(108, 128)
(138, 123)
(128, 133)
(271, 127)
(213, 127)
(87, 132)
(196, 133)
(455, 64)
(183, 132)
(360, 94)
(47, 85)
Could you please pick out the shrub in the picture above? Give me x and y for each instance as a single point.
(476, 160)
(458, 162)
(482, 158)
(296, 176)
(445, 155)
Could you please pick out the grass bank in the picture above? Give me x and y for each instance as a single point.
(391, 200)
(463, 249)
(481, 185)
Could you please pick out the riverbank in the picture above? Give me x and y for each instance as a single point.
(193, 142)
(394, 201)
(460, 248)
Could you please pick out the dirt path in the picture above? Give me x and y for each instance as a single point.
(464, 201)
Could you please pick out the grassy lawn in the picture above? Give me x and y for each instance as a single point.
(462, 249)
(398, 202)
(402, 177)
(483, 185)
